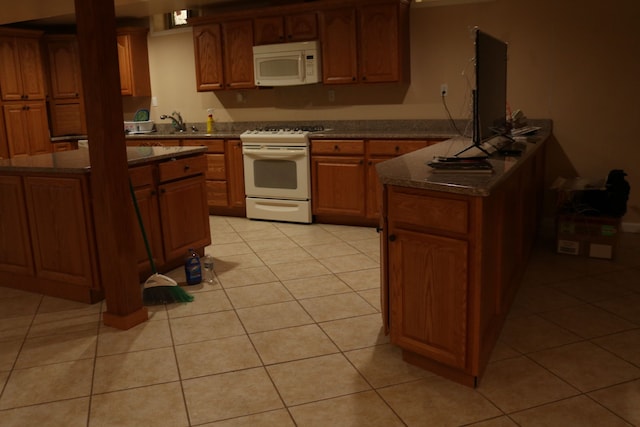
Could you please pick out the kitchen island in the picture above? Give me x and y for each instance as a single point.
(47, 224)
(454, 249)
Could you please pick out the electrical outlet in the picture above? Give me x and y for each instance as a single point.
(444, 89)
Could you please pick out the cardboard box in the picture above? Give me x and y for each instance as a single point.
(592, 236)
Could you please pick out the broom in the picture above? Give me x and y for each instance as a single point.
(158, 288)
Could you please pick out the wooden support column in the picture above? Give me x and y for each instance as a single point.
(111, 199)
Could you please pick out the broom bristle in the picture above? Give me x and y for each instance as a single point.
(165, 295)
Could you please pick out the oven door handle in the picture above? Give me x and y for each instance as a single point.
(280, 154)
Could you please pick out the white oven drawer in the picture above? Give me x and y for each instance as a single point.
(279, 210)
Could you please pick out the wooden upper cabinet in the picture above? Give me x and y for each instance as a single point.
(269, 29)
(368, 43)
(133, 60)
(237, 37)
(207, 42)
(66, 106)
(224, 55)
(21, 74)
(361, 42)
(339, 46)
(378, 42)
(65, 81)
(289, 28)
(301, 27)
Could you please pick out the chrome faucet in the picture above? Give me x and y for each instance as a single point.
(176, 121)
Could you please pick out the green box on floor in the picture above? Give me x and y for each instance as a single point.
(592, 236)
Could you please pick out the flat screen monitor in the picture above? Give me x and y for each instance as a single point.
(490, 95)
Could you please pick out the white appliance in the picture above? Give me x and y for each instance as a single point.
(277, 176)
(287, 64)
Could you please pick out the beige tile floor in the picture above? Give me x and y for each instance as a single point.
(290, 334)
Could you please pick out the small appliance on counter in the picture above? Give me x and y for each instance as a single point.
(140, 124)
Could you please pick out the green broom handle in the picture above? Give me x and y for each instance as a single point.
(144, 234)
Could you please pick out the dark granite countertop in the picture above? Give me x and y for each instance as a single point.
(411, 170)
(77, 161)
(333, 129)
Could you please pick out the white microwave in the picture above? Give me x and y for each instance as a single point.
(287, 64)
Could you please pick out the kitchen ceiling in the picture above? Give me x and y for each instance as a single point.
(60, 12)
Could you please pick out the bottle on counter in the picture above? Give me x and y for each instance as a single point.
(210, 125)
(192, 268)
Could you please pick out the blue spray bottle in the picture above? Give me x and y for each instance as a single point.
(192, 268)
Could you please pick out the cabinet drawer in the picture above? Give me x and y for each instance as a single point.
(213, 145)
(217, 193)
(438, 213)
(216, 168)
(64, 146)
(355, 146)
(141, 176)
(180, 168)
(390, 147)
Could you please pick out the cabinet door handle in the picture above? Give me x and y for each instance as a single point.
(186, 168)
(392, 237)
(162, 191)
(379, 229)
(336, 148)
(370, 163)
(397, 148)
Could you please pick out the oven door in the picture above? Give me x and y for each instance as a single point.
(276, 172)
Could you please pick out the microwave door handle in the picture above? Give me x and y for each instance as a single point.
(301, 70)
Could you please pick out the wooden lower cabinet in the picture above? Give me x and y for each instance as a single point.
(338, 178)
(15, 247)
(147, 200)
(225, 175)
(216, 174)
(27, 128)
(235, 174)
(379, 150)
(339, 186)
(428, 294)
(47, 232)
(184, 215)
(345, 183)
(60, 224)
(451, 267)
